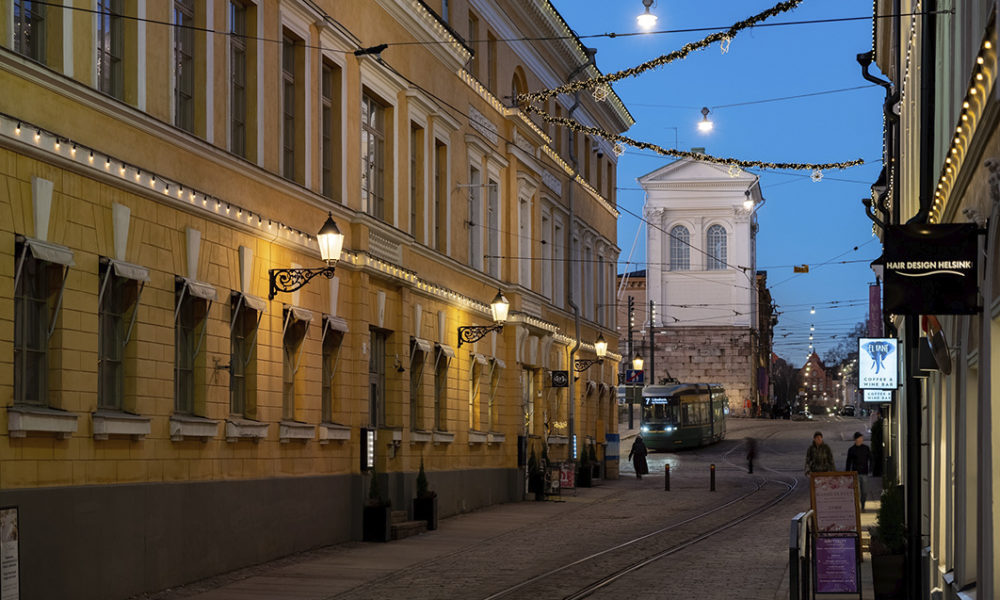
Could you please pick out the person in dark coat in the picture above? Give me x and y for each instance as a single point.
(638, 457)
(751, 453)
(859, 459)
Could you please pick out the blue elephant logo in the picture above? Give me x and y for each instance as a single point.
(878, 351)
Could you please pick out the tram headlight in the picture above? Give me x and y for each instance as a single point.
(644, 429)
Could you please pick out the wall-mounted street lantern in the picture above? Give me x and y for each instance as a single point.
(331, 242)
(473, 333)
(600, 349)
(637, 362)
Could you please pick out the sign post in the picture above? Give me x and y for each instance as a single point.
(837, 542)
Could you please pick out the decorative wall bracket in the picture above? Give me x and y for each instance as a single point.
(582, 364)
(289, 280)
(473, 333)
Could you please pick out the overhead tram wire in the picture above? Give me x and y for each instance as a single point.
(615, 35)
(763, 101)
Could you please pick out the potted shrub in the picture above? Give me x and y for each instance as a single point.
(536, 477)
(888, 545)
(376, 517)
(425, 505)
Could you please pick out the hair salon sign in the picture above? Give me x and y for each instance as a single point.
(931, 269)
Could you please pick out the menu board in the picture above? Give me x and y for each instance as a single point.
(837, 565)
(835, 502)
(9, 566)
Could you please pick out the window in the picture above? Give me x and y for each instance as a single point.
(716, 247)
(238, 77)
(587, 159)
(491, 61)
(416, 180)
(183, 20)
(587, 297)
(34, 288)
(293, 334)
(601, 291)
(332, 343)
(118, 302)
(473, 36)
(331, 134)
(558, 263)
(29, 29)
(376, 378)
(441, 389)
(440, 196)
(493, 414)
(600, 174)
(110, 47)
(444, 10)
(475, 392)
(476, 224)
(373, 157)
(528, 400)
(189, 334)
(418, 358)
(547, 266)
(244, 325)
(680, 248)
(288, 112)
(493, 228)
(524, 242)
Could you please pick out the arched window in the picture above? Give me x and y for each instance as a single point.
(716, 247)
(680, 248)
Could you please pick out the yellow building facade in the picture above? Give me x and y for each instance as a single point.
(164, 418)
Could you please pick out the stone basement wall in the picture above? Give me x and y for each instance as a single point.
(708, 355)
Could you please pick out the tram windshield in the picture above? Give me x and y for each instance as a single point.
(659, 409)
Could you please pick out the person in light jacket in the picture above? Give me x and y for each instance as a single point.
(638, 457)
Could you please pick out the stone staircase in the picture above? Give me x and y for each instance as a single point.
(401, 528)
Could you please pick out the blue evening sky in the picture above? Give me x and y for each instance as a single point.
(802, 222)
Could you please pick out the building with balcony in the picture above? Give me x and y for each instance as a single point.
(159, 159)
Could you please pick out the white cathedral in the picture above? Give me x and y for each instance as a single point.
(701, 273)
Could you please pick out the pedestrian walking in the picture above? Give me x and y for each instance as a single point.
(859, 459)
(638, 457)
(819, 457)
(751, 453)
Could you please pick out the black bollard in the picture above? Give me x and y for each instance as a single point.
(666, 478)
(712, 480)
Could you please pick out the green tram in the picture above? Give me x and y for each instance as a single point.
(683, 415)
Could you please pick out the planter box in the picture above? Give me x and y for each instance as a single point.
(426, 509)
(377, 526)
(887, 576)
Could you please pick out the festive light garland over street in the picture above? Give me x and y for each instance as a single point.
(724, 37)
(817, 168)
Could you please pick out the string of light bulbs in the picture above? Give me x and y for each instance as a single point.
(600, 83)
(733, 163)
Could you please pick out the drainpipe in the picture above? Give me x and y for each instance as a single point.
(575, 162)
(914, 418)
(890, 129)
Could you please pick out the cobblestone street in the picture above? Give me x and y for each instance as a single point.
(605, 528)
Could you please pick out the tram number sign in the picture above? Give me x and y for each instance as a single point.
(634, 376)
(560, 379)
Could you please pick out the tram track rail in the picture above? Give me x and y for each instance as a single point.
(617, 572)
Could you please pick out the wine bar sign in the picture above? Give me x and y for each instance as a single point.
(931, 269)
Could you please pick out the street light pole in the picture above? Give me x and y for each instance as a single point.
(652, 343)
